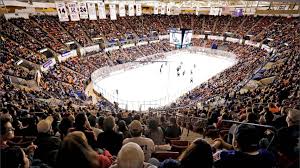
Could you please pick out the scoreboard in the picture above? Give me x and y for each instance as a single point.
(181, 38)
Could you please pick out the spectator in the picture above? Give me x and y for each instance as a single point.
(47, 144)
(123, 128)
(199, 152)
(75, 152)
(82, 124)
(288, 141)
(64, 127)
(14, 157)
(155, 133)
(246, 153)
(146, 144)
(100, 122)
(173, 130)
(109, 139)
(131, 156)
(7, 132)
(93, 120)
(170, 163)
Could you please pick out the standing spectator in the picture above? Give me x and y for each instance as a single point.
(155, 133)
(146, 144)
(109, 139)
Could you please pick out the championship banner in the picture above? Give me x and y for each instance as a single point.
(197, 11)
(169, 9)
(73, 10)
(131, 9)
(122, 10)
(62, 11)
(138, 9)
(83, 10)
(112, 12)
(162, 9)
(92, 11)
(101, 10)
(155, 9)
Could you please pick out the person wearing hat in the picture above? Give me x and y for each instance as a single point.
(131, 156)
(246, 151)
(146, 144)
(47, 143)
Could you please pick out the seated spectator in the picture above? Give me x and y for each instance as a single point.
(155, 133)
(93, 120)
(109, 139)
(146, 144)
(47, 143)
(82, 124)
(7, 132)
(13, 157)
(199, 152)
(64, 127)
(75, 152)
(173, 130)
(246, 153)
(288, 139)
(123, 128)
(131, 156)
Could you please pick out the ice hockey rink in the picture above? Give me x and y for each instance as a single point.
(158, 84)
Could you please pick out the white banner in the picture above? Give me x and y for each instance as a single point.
(51, 62)
(92, 11)
(131, 9)
(83, 12)
(168, 9)
(112, 12)
(163, 9)
(122, 10)
(197, 11)
(215, 37)
(73, 10)
(101, 10)
(138, 9)
(67, 55)
(62, 11)
(155, 9)
(234, 40)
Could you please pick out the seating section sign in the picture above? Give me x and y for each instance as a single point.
(83, 12)
(92, 11)
(73, 10)
(101, 10)
(62, 11)
(112, 12)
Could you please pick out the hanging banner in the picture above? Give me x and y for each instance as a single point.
(122, 10)
(62, 11)
(92, 11)
(112, 12)
(162, 9)
(138, 9)
(131, 9)
(101, 10)
(197, 11)
(73, 10)
(155, 9)
(83, 10)
(169, 9)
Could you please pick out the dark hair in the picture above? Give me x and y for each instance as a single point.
(100, 121)
(75, 152)
(199, 152)
(12, 157)
(3, 121)
(153, 124)
(247, 137)
(122, 126)
(80, 120)
(173, 121)
(64, 125)
(169, 163)
(93, 120)
(137, 117)
(251, 118)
